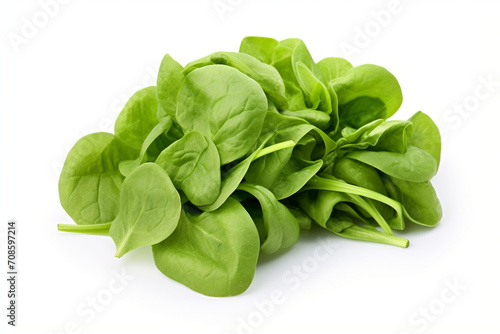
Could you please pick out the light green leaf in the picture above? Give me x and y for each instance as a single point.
(90, 182)
(213, 253)
(149, 209)
(414, 165)
(193, 164)
(225, 105)
(280, 226)
(138, 118)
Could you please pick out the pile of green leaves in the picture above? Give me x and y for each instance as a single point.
(232, 155)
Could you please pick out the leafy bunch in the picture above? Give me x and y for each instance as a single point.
(234, 154)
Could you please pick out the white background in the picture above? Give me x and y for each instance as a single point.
(72, 74)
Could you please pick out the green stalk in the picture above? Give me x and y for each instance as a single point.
(370, 208)
(320, 183)
(274, 148)
(370, 233)
(95, 229)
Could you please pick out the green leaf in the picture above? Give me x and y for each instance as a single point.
(391, 136)
(333, 68)
(213, 253)
(265, 75)
(233, 177)
(90, 181)
(315, 117)
(280, 128)
(193, 164)
(362, 175)
(261, 48)
(149, 209)
(138, 118)
(225, 105)
(420, 201)
(294, 176)
(316, 94)
(329, 182)
(169, 81)
(366, 93)
(426, 135)
(126, 167)
(414, 165)
(280, 226)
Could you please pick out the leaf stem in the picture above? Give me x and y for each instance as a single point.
(370, 233)
(94, 229)
(274, 148)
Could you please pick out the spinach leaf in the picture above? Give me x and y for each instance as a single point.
(360, 174)
(419, 200)
(90, 181)
(149, 209)
(234, 176)
(280, 226)
(279, 128)
(315, 117)
(333, 68)
(261, 48)
(329, 182)
(366, 93)
(265, 75)
(213, 253)
(414, 165)
(138, 118)
(294, 176)
(426, 135)
(315, 93)
(169, 80)
(225, 105)
(193, 164)
(126, 167)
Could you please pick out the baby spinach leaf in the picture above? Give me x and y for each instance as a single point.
(169, 80)
(213, 253)
(302, 218)
(319, 205)
(294, 176)
(234, 176)
(315, 117)
(225, 105)
(366, 93)
(329, 182)
(414, 165)
(193, 164)
(138, 118)
(126, 167)
(391, 136)
(360, 174)
(280, 226)
(90, 181)
(279, 128)
(333, 68)
(261, 48)
(420, 201)
(426, 135)
(265, 75)
(149, 209)
(316, 94)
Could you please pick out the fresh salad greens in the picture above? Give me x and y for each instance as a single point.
(234, 154)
